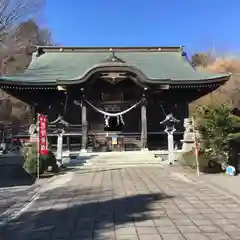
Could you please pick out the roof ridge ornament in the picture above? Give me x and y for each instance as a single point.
(39, 51)
(185, 55)
(113, 58)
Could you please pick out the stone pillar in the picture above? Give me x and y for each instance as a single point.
(84, 123)
(144, 123)
(59, 146)
(188, 136)
(170, 144)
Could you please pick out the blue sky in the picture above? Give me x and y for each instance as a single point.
(198, 25)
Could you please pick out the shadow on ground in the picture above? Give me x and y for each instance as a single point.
(213, 170)
(81, 214)
(87, 170)
(75, 161)
(12, 173)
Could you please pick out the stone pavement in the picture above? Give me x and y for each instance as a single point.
(227, 183)
(13, 198)
(127, 204)
(15, 184)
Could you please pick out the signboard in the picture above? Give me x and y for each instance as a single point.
(43, 145)
(114, 140)
(231, 171)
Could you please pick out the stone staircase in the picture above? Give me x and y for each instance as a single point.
(118, 159)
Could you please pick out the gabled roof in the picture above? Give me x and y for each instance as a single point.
(52, 65)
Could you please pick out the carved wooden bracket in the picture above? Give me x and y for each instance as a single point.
(113, 77)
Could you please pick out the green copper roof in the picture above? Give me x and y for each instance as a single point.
(156, 66)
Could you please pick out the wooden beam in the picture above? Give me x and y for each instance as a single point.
(42, 49)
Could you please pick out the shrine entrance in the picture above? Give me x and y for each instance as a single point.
(111, 125)
(113, 113)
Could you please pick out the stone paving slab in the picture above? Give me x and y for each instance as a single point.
(129, 203)
(14, 198)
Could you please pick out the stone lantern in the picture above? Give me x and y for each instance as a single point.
(169, 123)
(61, 129)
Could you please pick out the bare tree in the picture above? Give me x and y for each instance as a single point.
(44, 37)
(14, 12)
(16, 54)
(16, 28)
(202, 59)
(229, 92)
(5, 108)
(18, 31)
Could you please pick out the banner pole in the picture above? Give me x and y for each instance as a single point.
(196, 147)
(38, 146)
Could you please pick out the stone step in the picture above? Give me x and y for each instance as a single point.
(125, 160)
(110, 159)
(112, 167)
(119, 163)
(101, 161)
(122, 162)
(121, 166)
(121, 159)
(115, 163)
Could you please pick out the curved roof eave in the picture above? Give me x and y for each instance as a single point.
(106, 67)
(140, 75)
(216, 79)
(8, 80)
(221, 79)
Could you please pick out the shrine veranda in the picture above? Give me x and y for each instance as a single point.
(113, 98)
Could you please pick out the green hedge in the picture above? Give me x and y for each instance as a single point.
(30, 161)
(189, 159)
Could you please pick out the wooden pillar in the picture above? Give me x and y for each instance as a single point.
(144, 122)
(68, 144)
(33, 113)
(84, 123)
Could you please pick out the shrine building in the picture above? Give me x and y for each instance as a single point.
(116, 94)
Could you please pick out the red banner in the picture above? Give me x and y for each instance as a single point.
(43, 145)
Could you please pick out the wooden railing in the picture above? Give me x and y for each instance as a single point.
(14, 131)
(72, 137)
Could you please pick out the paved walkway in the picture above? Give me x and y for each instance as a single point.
(129, 203)
(230, 184)
(14, 198)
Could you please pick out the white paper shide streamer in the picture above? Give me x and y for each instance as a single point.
(119, 115)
